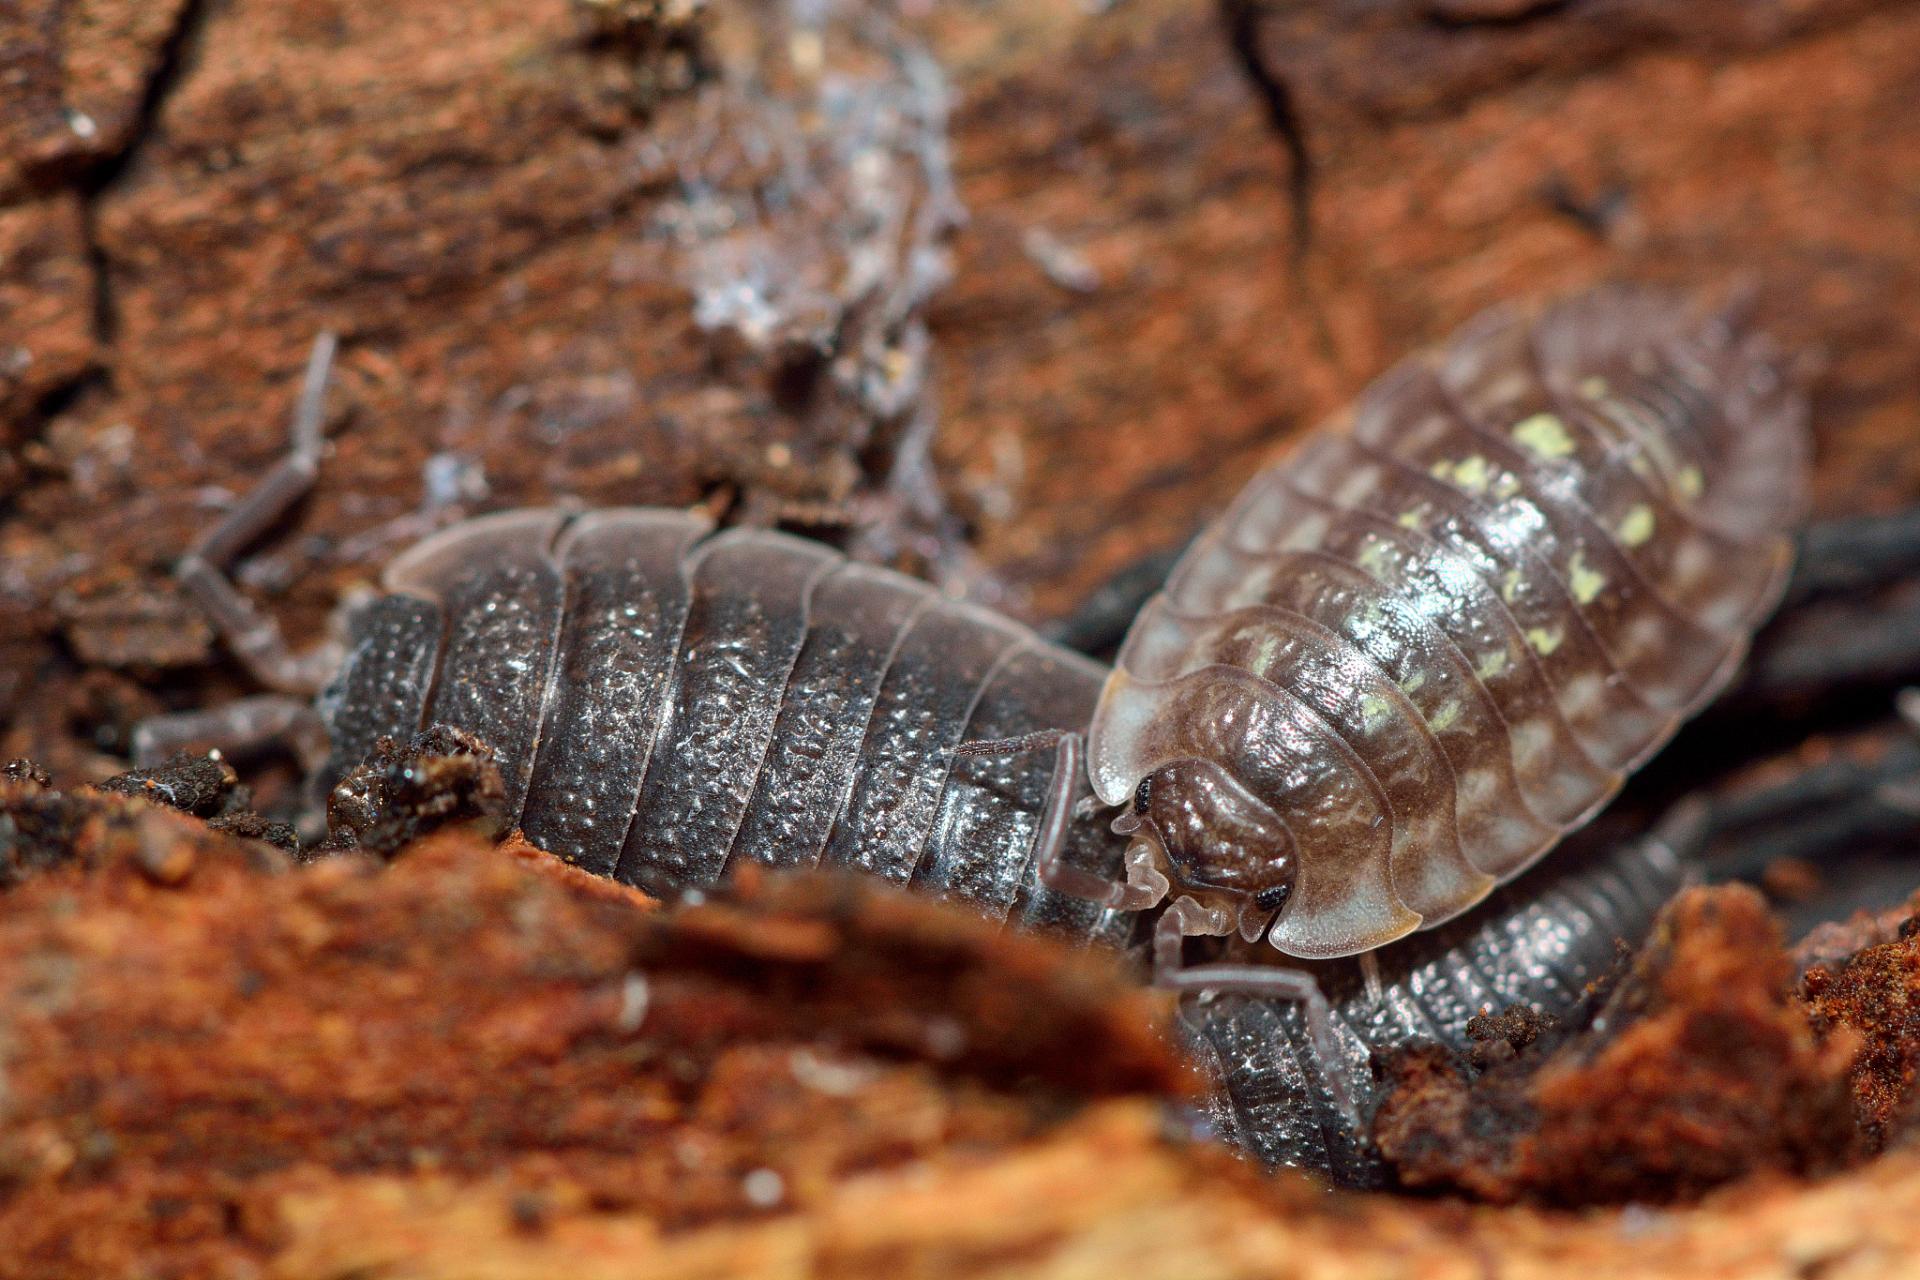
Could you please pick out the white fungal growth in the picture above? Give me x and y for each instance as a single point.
(635, 996)
(816, 193)
(814, 205)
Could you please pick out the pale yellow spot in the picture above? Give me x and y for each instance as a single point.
(1472, 474)
(1409, 519)
(1690, 482)
(1443, 719)
(1491, 665)
(1544, 436)
(1544, 641)
(1510, 586)
(1413, 682)
(1594, 388)
(1636, 526)
(1583, 580)
(1375, 555)
(1373, 710)
(1268, 650)
(1506, 486)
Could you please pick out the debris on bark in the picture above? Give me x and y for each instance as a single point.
(129, 821)
(439, 777)
(475, 1013)
(1876, 995)
(205, 786)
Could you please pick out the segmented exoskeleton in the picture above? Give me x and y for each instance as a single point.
(1437, 637)
(667, 702)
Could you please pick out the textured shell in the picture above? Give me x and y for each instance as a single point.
(1438, 635)
(665, 702)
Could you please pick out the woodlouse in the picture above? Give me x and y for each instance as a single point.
(1435, 638)
(1407, 660)
(667, 702)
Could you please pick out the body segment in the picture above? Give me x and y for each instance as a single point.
(1537, 943)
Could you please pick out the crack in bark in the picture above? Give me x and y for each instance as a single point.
(91, 182)
(1241, 22)
(1440, 17)
(110, 169)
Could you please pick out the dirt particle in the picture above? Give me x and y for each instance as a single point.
(25, 771)
(205, 786)
(1499, 1037)
(440, 777)
(252, 826)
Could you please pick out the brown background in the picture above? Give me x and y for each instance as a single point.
(189, 190)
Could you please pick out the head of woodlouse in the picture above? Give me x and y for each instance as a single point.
(1213, 838)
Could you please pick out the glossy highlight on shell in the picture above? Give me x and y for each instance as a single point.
(1437, 636)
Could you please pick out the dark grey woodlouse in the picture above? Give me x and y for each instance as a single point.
(667, 702)
(1406, 661)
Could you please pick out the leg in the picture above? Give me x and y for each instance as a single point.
(249, 634)
(1137, 892)
(1903, 796)
(1855, 554)
(1187, 918)
(244, 726)
(1370, 976)
(236, 728)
